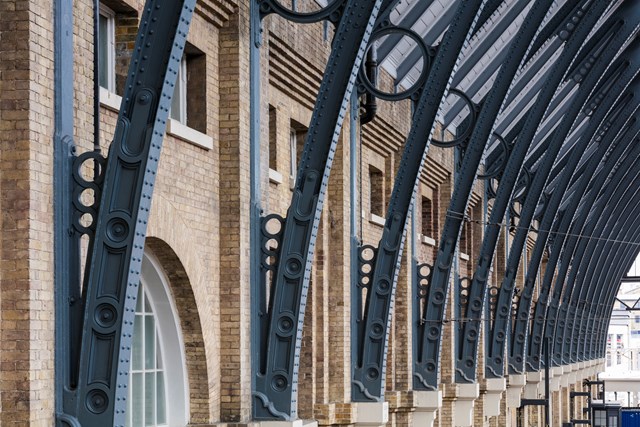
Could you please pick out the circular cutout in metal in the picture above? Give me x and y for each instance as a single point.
(305, 12)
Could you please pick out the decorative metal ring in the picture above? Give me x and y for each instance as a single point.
(503, 162)
(467, 132)
(520, 193)
(408, 93)
(78, 163)
(328, 12)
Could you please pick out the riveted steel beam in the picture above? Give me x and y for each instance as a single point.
(613, 229)
(550, 225)
(623, 231)
(598, 63)
(572, 250)
(466, 353)
(281, 321)
(113, 274)
(546, 311)
(369, 368)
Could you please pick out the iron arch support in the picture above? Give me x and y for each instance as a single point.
(466, 354)
(369, 360)
(545, 315)
(605, 289)
(556, 313)
(552, 220)
(577, 301)
(502, 314)
(428, 325)
(590, 267)
(575, 246)
(280, 329)
(602, 317)
(113, 275)
(590, 289)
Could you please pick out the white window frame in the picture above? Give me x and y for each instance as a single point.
(170, 341)
(110, 66)
(181, 88)
(293, 162)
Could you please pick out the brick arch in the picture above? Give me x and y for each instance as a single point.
(190, 326)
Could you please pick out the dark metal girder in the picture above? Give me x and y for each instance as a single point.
(502, 316)
(545, 311)
(428, 327)
(281, 323)
(370, 359)
(612, 227)
(521, 325)
(113, 274)
(466, 354)
(573, 249)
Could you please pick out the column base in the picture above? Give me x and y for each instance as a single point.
(466, 394)
(294, 423)
(533, 381)
(514, 390)
(427, 405)
(494, 387)
(372, 414)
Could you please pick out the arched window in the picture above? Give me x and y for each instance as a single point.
(157, 344)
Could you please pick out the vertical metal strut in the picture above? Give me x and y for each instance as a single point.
(114, 271)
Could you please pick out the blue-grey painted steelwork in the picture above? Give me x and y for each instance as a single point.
(113, 275)
(281, 322)
(545, 310)
(466, 353)
(621, 229)
(557, 316)
(587, 263)
(67, 255)
(369, 372)
(598, 61)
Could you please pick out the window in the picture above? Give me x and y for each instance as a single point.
(297, 135)
(179, 101)
(157, 344)
(107, 48)
(376, 191)
(273, 139)
(427, 217)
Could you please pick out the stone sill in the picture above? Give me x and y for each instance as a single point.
(112, 101)
(376, 219)
(427, 240)
(189, 135)
(275, 176)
